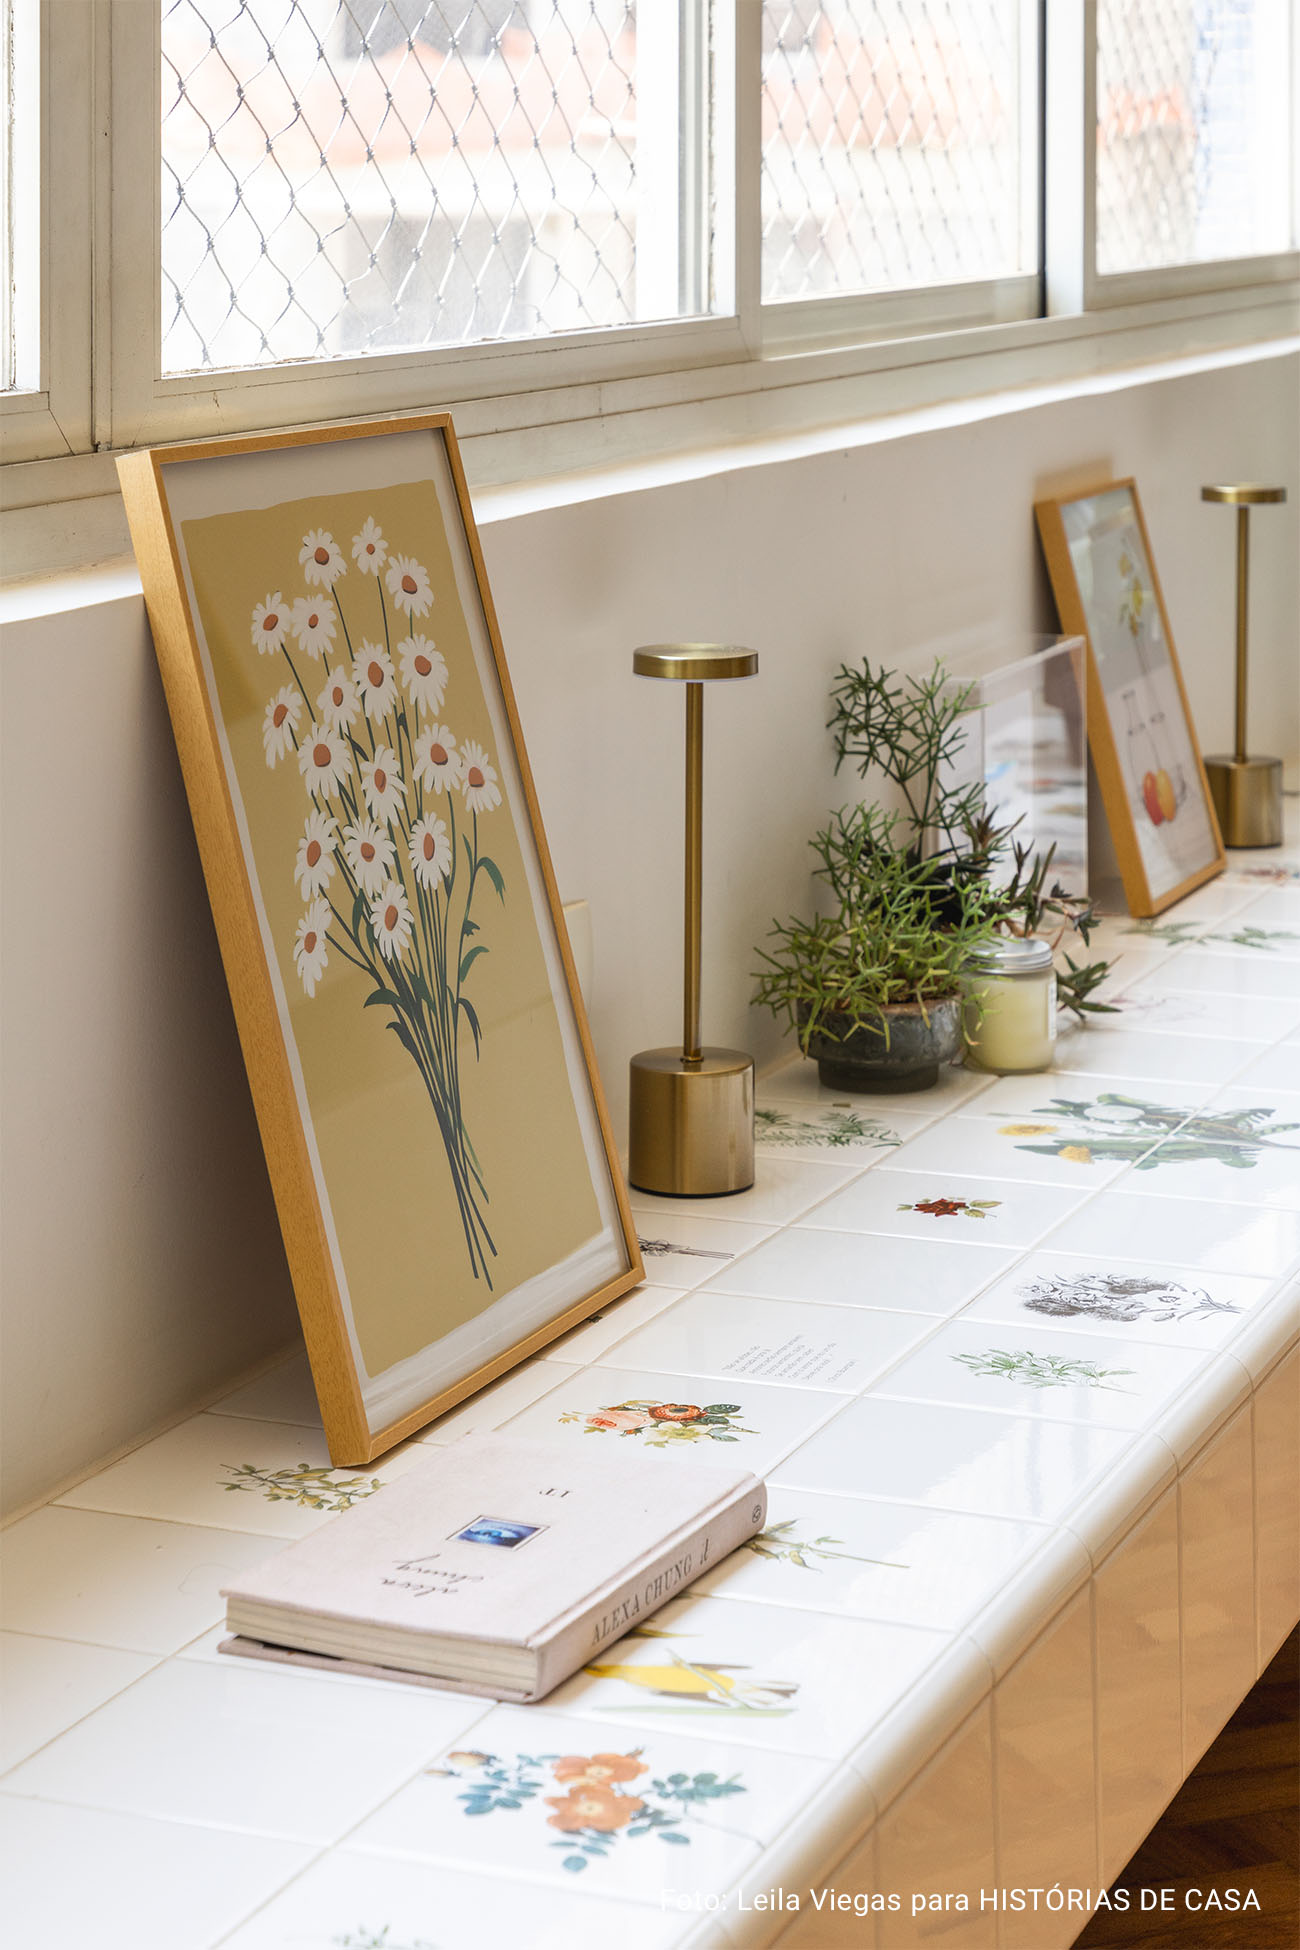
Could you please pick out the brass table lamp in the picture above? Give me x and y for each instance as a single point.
(692, 1109)
(1247, 792)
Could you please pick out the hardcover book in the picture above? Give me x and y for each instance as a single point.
(498, 1567)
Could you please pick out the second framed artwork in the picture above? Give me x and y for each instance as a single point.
(442, 1163)
(1140, 730)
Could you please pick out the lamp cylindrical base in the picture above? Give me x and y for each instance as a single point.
(1247, 795)
(691, 1124)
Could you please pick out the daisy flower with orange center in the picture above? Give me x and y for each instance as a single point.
(424, 672)
(408, 585)
(310, 951)
(271, 624)
(323, 759)
(321, 558)
(390, 920)
(430, 850)
(369, 549)
(313, 622)
(479, 779)
(369, 853)
(437, 761)
(382, 783)
(338, 703)
(280, 724)
(313, 868)
(372, 673)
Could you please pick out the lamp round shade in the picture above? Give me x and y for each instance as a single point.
(694, 663)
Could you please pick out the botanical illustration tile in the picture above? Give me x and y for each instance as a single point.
(748, 1424)
(1260, 1242)
(132, 1582)
(680, 1250)
(1113, 1048)
(1153, 1010)
(1064, 1375)
(930, 1275)
(954, 1209)
(1119, 1300)
(1251, 1154)
(783, 1187)
(89, 1877)
(844, 1132)
(613, 1323)
(757, 1340)
(238, 1745)
(759, 1675)
(953, 1458)
(236, 1473)
(492, 1406)
(49, 1684)
(1231, 971)
(350, 1900)
(893, 1561)
(286, 1393)
(617, 1810)
(797, 1082)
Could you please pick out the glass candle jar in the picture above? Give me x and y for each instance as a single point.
(1010, 1009)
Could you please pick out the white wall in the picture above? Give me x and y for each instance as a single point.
(141, 1261)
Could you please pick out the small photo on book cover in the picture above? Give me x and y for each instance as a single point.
(497, 1530)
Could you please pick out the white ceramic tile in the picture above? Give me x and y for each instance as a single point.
(133, 1582)
(613, 1323)
(892, 1561)
(199, 1473)
(1210, 1399)
(1068, 1099)
(1106, 1515)
(375, 1902)
(285, 1393)
(937, 1839)
(88, 1879)
(857, 1269)
(794, 1342)
(1174, 1232)
(272, 1750)
(680, 1249)
(834, 1827)
(1277, 907)
(1153, 1010)
(1277, 1498)
(1035, 1591)
(965, 1211)
(1263, 1335)
(1064, 1375)
(48, 1685)
(846, 1132)
(953, 1458)
(492, 1406)
(1278, 1069)
(783, 1188)
(760, 1675)
(1120, 1300)
(1216, 1519)
(1103, 1050)
(764, 1420)
(1229, 972)
(1051, 1148)
(797, 1082)
(542, 1779)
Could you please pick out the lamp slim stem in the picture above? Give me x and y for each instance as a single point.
(1243, 584)
(694, 870)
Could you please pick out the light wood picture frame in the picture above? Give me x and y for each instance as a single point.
(437, 1140)
(1140, 730)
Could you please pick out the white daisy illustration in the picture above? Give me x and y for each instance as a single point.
(271, 622)
(424, 672)
(323, 759)
(390, 920)
(479, 779)
(369, 549)
(430, 850)
(372, 673)
(437, 762)
(313, 622)
(321, 558)
(382, 783)
(280, 724)
(313, 868)
(408, 585)
(338, 703)
(369, 854)
(310, 952)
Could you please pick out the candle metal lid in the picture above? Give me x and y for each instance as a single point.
(1010, 954)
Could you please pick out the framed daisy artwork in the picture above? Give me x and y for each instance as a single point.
(438, 1145)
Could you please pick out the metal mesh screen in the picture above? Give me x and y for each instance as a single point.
(347, 176)
(1192, 131)
(892, 151)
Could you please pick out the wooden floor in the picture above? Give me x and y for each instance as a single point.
(1235, 1824)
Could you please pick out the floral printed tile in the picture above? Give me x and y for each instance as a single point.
(952, 1208)
(1065, 1375)
(783, 1187)
(682, 1249)
(612, 1809)
(797, 1082)
(1249, 1154)
(662, 1415)
(49, 1684)
(1117, 1128)
(614, 1323)
(756, 1674)
(786, 1341)
(286, 1394)
(892, 1561)
(237, 1474)
(1231, 972)
(991, 1464)
(1055, 1144)
(843, 1132)
(1122, 1300)
(354, 1901)
(1182, 1232)
(934, 1275)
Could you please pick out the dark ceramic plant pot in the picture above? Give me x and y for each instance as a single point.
(908, 1058)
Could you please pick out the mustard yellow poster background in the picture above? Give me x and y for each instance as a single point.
(390, 1189)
